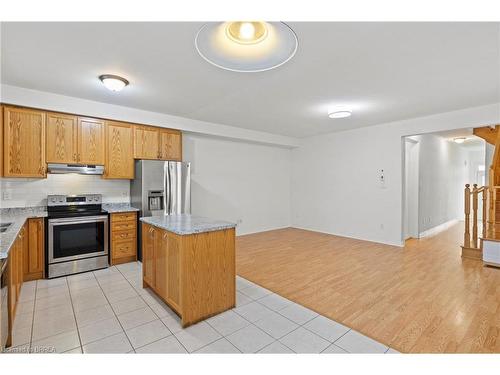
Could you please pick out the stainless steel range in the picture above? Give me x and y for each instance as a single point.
(77, 234)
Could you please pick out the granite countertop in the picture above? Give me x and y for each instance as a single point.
(118, 207)
(187, 224)
(16, 216)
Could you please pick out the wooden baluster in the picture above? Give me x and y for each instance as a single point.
(474, 216)
(484, 213)
(467, 216)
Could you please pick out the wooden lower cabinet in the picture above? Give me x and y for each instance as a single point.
(34, 250)
(148, 248)
(194, 274)
(15, 276)
(123, 237)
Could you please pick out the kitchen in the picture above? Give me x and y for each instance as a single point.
(74, 233)
(233, 186)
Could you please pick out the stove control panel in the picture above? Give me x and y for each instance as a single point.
(73, 200)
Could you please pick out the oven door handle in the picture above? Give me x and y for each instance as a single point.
(81, 220)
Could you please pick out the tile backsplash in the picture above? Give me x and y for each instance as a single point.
(23, 192)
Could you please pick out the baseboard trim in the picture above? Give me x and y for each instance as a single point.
(437, 229)
(264, 230)
(397, 244)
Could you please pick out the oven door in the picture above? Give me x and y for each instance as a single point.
(77, 238)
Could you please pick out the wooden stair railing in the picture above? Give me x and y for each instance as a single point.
(472, 247)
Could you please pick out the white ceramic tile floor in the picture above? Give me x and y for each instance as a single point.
(108, 311)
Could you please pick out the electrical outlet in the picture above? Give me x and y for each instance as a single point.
(7, 195)
(239, 221)
(124, 194)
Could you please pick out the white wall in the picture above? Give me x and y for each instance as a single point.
(335, 186)
(443, 172)
(239, 181)
(33, 192)
(476, 158)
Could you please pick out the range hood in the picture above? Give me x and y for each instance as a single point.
(75, 168)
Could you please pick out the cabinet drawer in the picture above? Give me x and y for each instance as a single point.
(123, 235)
(122, 225)
(123, 249)
(124, 216)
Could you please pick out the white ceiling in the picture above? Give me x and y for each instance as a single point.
(385, 71)
(471, 142)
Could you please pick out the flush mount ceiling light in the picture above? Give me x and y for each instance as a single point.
(459, 140)
(246, 46)
(340, 112)
(113, 82)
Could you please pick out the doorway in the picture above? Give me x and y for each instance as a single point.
(411, 195)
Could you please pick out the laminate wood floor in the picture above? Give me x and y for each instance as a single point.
(420, 298)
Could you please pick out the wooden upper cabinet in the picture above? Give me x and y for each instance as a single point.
(72, 139)
(146, 142)
(119, 150)
(156, 143)
(90, 141)
(24, 143)
(62, 133)
(170, 145)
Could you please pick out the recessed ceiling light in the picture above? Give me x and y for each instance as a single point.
(246, 46)
(113, 82)
(246, 32)
(339, 112)
(459, 140)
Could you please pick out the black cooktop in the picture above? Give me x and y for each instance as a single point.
(75, 211)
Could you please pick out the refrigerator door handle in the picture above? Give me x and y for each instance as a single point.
(170, 208)
(166, 190)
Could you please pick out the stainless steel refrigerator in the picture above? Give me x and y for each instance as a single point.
(160, 188)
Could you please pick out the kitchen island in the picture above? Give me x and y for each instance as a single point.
(189, 262)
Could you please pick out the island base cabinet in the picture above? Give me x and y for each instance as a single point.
(194, 274)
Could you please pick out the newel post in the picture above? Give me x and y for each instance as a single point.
(474, 216)
(467, 216)
(484, 213)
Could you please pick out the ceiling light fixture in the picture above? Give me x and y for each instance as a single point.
(246, 32)
(246, 46)
(339, 112)
(113, 82)
(459, 140)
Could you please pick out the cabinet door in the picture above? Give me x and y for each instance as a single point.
(148, 247)
(174, 270)
(146, 142)
(34, 255)
(90, 141)
(24, 141)
(161, 263)
(119, 161)
(61, 138)
(1, 140)
(170, 145)
(22, 250)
